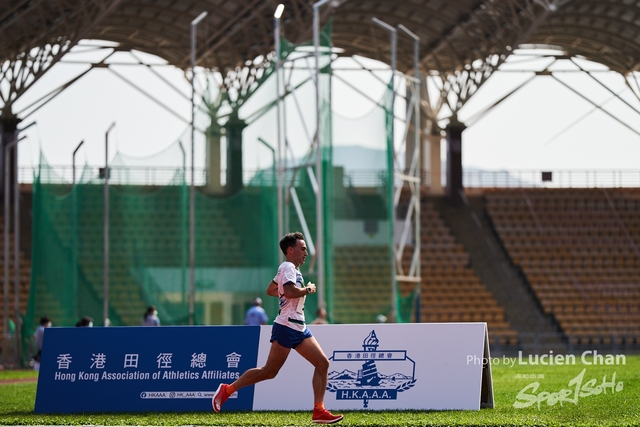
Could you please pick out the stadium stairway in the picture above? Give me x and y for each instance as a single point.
(471, 226)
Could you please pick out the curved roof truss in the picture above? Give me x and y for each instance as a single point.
(458, 38)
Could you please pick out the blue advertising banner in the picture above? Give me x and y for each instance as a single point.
(137, 369)
(425, 366)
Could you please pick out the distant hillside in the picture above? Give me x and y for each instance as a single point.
(355, 157)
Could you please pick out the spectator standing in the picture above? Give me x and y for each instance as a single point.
(256, 315)
(38, 336)
(85, 322)
(150, 317)
(321, 317)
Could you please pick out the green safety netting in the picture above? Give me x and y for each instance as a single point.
(148, 251)
(236, 231)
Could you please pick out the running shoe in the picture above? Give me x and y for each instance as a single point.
(325, 417)
(219, 397)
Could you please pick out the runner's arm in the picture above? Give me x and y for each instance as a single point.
(272, 289)
(291, 291)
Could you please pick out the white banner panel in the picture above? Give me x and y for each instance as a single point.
(421, 366)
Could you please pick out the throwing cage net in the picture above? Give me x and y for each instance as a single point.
(236, 213)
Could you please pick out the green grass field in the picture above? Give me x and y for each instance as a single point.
(600, 402)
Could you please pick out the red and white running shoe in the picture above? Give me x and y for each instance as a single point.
(325, 417)
(219, 397)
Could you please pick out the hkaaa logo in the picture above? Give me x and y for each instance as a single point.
(372, 373)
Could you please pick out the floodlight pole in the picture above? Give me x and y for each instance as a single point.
(192, 197)
(273, 152)
(73, 163)
(182, 219)
(278, 159)
(417, 147)
(105, 267)
(390, 168)
(74, 201)
(319, 174)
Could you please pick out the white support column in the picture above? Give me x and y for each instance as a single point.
(213, 158)
(434, 165)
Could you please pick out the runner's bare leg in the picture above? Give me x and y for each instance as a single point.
(277, 356)
(311, 350)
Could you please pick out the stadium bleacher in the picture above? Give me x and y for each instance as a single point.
(577, 249)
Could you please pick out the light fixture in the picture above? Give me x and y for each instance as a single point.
(279, 11)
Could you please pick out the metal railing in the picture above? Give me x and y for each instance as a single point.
(162, 175)
(536, 178)
(551, 179)
(117, 175)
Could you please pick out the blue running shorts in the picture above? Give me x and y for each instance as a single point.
(287, 337)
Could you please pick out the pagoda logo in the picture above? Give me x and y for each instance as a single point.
(365, 376)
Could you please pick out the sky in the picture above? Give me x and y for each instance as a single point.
(542, 126)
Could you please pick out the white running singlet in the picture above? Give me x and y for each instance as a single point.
(291, 313)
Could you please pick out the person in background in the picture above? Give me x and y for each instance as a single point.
(256, 315)
(150, 317)
(85, 321)
(38, 336)
(321, 317)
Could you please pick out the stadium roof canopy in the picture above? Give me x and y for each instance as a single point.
(462, 40)
(453, 33)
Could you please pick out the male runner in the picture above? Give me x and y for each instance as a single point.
(289, 332)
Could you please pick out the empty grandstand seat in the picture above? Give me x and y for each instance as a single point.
(578, 251)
